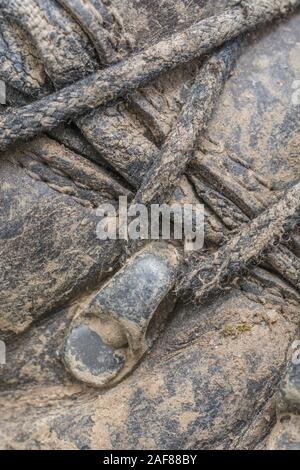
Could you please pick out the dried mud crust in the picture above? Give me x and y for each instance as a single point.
(210, 380)
(137, 70)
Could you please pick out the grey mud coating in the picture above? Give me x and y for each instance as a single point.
(211, 376)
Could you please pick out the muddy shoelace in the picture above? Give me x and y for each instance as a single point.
(206, 274)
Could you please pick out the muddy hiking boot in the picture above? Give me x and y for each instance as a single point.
(154, 343)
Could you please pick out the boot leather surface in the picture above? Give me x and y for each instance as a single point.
(206, 383)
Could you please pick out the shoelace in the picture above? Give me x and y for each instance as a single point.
(139, 69)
